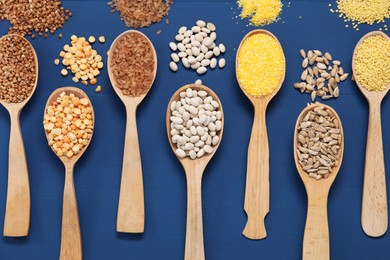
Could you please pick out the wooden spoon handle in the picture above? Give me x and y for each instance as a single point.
(374, 205)
(316, 237)
(194, 249)
(17, 216)
(71, 236)
(131, 209)
(257, 179)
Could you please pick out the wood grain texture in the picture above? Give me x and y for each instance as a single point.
(131, 209)
(194, 246)
(71, 242)
(131, 205)
(257, 191)
(17, 213)
(374, 201)
(257, 179)
(71, 248)
(316, 237)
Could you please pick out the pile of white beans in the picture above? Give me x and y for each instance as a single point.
(196, 48)
(196, 120)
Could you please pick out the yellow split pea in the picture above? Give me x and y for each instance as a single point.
(372, 63)
(261, 64)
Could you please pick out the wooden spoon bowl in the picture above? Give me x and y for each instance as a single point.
(71, 245)
(17, 213)
(256, 203)
(374, 203)
(316, 237)
(131, 208)
(194, 249)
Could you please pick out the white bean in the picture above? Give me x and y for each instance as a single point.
(200, 23)
(200, 153)
(204, 49)
(215, 140)
(192, 154)
(173, 46)
(186, 40)
(173, 66)
(222, 63)
(200, 130)
(185, 62)
(213, 36)
(179, 37)
(196, 65)
(208, 41)
(180, 153)
(197, 82)
(188, 33)
(222, 47)
(195, 51)
(182, 30)
(201, 70)
(209, 54)
(175, 57)
(199, 37)
(182, 54)
(208, 149)
(195, 138)
(213, 63)
(216, 51)
(200, 57)
(211, 27)
(205, 62)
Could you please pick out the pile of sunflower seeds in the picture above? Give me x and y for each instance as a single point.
(321, 75)
(319, 141)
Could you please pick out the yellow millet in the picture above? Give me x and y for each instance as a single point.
(260, 12)
(372, 63)
(261, 64)
(364, 11)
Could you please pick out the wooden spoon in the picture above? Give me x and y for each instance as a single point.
(257, 181)
(131, 208)
(17, 213)
(71, 247)
(194, 249)
(374, 204)
(316, 236)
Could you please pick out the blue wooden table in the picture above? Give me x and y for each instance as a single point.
(304, 24)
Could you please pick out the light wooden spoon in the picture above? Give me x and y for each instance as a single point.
(374, 204)
(316, 236)
(257, 180)
(131, 208)
(194, 249)
(71, 246)
(17, 213)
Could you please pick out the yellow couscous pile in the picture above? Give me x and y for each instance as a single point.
(260, 12)
(372, 63)
(364, 11)
(261, 64)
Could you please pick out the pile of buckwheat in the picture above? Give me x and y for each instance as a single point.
(17, 69)
(34, 17)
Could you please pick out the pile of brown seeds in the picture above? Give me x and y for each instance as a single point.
(132, 64)
(34, 17)
(321, 75)
(139, 14)
(319, 141)
(17, 69)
